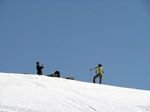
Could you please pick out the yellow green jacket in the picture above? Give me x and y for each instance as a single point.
(100, 70)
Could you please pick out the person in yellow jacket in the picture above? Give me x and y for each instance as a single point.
(100, 73)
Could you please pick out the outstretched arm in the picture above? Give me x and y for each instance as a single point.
(42, 66)
(93, 68)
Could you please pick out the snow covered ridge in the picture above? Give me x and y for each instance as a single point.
(33, 93)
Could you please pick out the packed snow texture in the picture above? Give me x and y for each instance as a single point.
(33, 93)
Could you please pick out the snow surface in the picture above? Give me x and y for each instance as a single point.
(33, 93)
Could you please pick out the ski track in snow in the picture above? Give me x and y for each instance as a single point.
(15, 109)
(33, 93)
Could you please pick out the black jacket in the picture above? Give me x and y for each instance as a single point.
(39, 69)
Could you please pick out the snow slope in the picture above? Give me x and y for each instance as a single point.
(32, 93)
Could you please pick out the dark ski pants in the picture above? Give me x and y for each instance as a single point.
(96, 76)
(39, 73)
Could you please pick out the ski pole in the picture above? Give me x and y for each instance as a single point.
(91, 75)
(95, 71)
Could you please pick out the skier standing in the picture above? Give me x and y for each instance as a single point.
(39, 68)
(100, 73)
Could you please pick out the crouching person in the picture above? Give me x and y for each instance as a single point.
(56, 74)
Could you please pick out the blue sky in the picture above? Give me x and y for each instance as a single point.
(74, 36)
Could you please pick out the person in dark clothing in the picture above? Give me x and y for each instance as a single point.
(57, 74)
(39, 68)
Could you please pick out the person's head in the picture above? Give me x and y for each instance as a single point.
(37, 63)
(100, 65)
